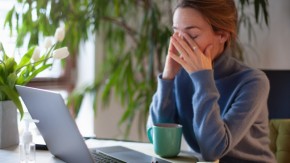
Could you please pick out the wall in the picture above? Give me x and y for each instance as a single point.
(271, 50)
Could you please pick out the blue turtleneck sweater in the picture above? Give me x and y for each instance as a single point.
(223, 111)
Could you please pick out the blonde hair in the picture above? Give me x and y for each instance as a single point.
(221, 14)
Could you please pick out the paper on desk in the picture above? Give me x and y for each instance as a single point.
(95, 143)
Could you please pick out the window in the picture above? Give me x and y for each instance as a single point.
(60, 79)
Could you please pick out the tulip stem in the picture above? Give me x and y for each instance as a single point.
(45, 59)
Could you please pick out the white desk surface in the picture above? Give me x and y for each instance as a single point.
(11, 154)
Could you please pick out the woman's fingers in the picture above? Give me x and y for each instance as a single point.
(192, 44)
(174, 49)
(185, 46)
(204, 56)
(179, 48)
(187, 59)
(171, 67)
(190, 56)
(178, 59)
(171, 47)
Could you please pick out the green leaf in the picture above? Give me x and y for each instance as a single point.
(265, 5)
(108, 87)
(14, 96)
(78, 102)
(24, 73)
(3, 97)
(8, 19)
(3, 50)
(95, 102)
(10, 65)
(11, 79)
(33, 74)
(257, 9)
(26, 58)
(2, 74)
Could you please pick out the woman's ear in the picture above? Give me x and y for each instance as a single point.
(223, 36)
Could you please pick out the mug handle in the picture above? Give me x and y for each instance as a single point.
(149, 135)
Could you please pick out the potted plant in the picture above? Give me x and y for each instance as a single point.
(13, 73)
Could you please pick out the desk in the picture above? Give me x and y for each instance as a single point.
(11, 155)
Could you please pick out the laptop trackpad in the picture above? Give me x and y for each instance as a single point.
(129, 155)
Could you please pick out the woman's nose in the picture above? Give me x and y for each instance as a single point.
(179, 33)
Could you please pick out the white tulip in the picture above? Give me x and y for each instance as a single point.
(60, 53)
(59, 34)
(47, 43)
(36, 54)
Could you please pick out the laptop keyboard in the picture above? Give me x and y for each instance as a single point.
(100, 157)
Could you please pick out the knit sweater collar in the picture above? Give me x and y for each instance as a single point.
(222, 65)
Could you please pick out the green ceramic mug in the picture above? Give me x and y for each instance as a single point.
(166, 139)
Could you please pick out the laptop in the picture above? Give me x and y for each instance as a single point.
(61, 133)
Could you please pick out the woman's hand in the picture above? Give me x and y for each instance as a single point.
(190, 57)
(171, 66)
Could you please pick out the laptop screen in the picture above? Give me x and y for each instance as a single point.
(56, 125)
(61, 133)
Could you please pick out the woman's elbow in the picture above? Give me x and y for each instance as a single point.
(212, 153)
(210, 156)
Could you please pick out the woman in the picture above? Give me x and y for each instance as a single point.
(221, 103)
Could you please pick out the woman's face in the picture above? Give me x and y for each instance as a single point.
(191, 22)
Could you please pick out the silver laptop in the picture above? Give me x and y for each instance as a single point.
(61, 133)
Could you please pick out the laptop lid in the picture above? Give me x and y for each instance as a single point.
(56, 125)
(61, 133)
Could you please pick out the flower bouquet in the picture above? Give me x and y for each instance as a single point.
(31, 64)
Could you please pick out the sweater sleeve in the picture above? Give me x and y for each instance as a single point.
(163, 105)
(217, 134)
